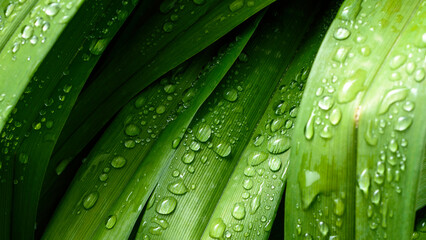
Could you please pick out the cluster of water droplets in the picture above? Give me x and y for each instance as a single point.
(383, 182)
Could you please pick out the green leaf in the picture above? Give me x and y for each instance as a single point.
(145, 155)
(157, 50)
(323, 197)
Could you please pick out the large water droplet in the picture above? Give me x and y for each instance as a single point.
(166, 205)
(375, 198)
(278, 144)
(323, 228)
(27, 32)
(132, 130)
(364, 181)
(309, 128)
(391, 97)
(118, 162)
(110, 222)
(188, 157)
(236, 5)
(217, 228)
(403, 123)
(248, 184)
(52, 9)
(257, 157)
(341, 33)
(223, 149)
(230, 94)
(274, 164)
(326, 103)
(90, 200)
(277, 124)
(239, 211)
(203, 133)
(335, 116)
(177, 187)
(255, 204)
(350, 88)
(419, 75)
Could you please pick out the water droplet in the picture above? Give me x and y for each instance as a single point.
(140, 101)
(326, 132)
(223, 149)
(239, 211)
(309, 128)
(129, 144)
(176, 142)
(419, 75)
(118, 162)
(403, 123)
(203, 133)
(52, 9)
(167, 5)
(177, 187)
(9, 10)
(323, 228)
(375, 198)
(248, 184)
(274, 164)
(27, 32)
(391, 97)
(103, 177)
(98, 46)
(364, 181)
(393, 145)
(243, 57)
(339, 207)
(168, 27)
(132, 130)
(230, 94)
(238, 227)
(257, 157)
(23, 158)
(188, 157)
(341, 54)
(110, 222)
(341, 33)
(281, 108)
(307, 236)
(194, 146)
(335, 116)
(166, 205)
(397, 61)
(199, 2)
(277, 124)
(258, 140)
(236, 5)
(160, 109)
(278, 144)
(217, 228)
(90, 200)
(255, 204)
(249, 171)
(350, 88)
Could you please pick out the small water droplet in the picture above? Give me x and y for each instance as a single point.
(236, 5)
(203, 133)
(375, 198)
(27, 32)
(339, 207)
(278, 144)
(419, 75)
(394, 95)
(132, 130)
(168, 27)
(309, 128)
(177, 187)
(110, 222)
(223, 149)
(230, 94)
(364, 181)
(90, 200)
(274, 164)
(393, 145)
(397, 61)
(52, 9)
(258, 140)
(118, 162)
(188, 157)
(403, 123)
(326, 132)
(255, 204)
(257, 157)
(350, 88)
(335, 116)
(248, 184)
(341, 33)
(239, 211)
(323, 228)
(166, 205)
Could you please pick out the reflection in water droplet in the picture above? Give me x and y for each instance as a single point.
(118, 162)
(223, 149)
(257, 157)
(278, 144)
(236, 5)
(110, 222)
(239, 211)
(341, 33)
(217, 228)
(403, 123)
(166, 205)
(90, 200)
(364, 181)
(177, 187)
(203, 133)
